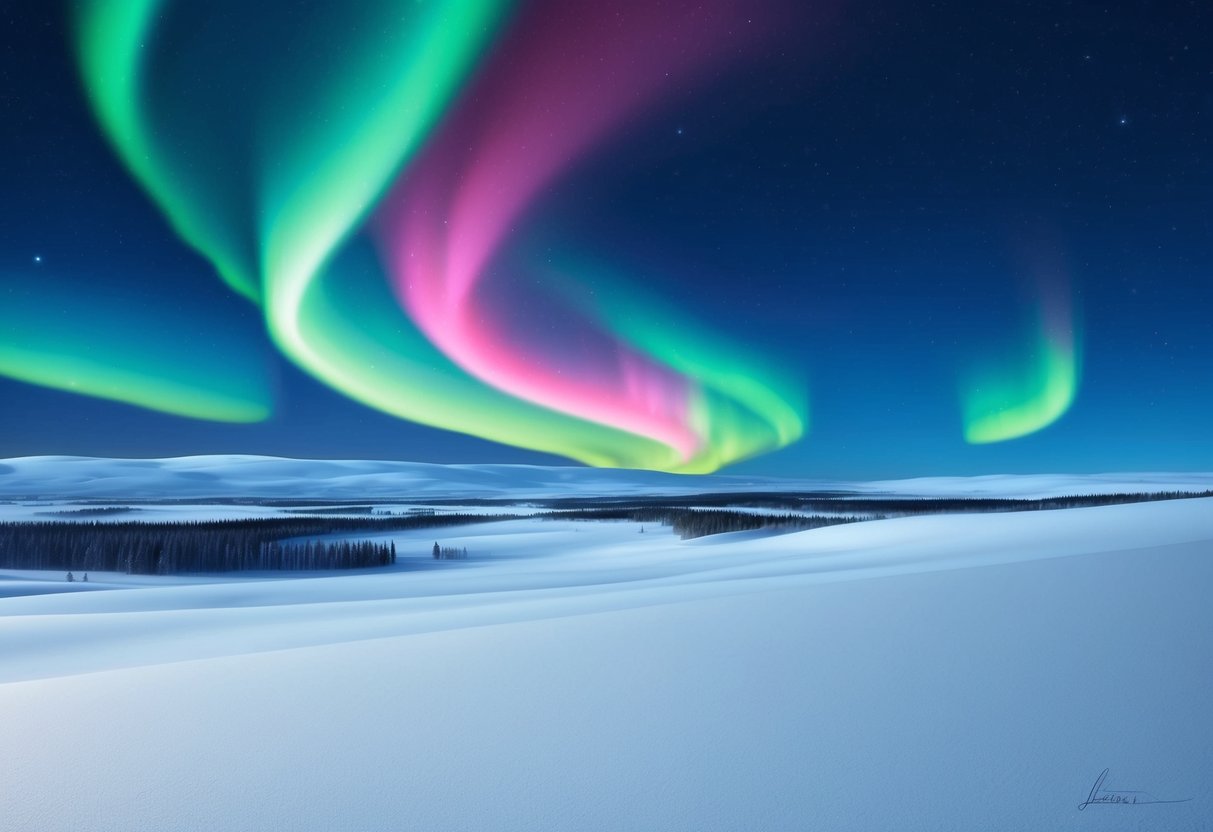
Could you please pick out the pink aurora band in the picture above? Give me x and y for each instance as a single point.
(564, 77)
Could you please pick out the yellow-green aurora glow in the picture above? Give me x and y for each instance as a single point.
(1005, 400)
(71, 335)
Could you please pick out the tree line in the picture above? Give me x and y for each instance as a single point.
(689, 523)
(207, 546)
(449, 552)
(843, 502)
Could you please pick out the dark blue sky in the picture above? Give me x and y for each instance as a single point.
(870, 202)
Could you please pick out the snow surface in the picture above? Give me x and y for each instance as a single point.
(78, 511)
(59, 477)
(923, 673)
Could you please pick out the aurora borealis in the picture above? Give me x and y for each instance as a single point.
(671, 235)
(1006, 402)
(318, 137)
(114, 352)
(550, 93)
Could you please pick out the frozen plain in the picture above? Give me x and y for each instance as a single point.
(239, 475)
(923, 673)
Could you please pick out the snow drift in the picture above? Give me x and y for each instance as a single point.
(924, 673)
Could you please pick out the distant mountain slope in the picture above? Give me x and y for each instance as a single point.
(261, 476)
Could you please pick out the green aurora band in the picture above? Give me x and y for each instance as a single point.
(745, 406)
(269, 168)
(1001, 402)
(99, 341)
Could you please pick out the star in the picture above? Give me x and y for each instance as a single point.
(37, 258)
(1124, 120)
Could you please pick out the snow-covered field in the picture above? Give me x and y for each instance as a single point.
(61, 511)
(926, 673)
(261, 476)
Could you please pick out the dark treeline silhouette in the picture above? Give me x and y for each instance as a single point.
(843, 502)
(208, 546)
(945, 505)
(831, 501)
(289, 542)
(449, 552)
(327, 554)
(94, 511)
(688, 523)
(747, 499)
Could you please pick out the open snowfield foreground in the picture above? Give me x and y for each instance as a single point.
(1031, 671)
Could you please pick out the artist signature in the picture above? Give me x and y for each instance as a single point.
(1121, 797)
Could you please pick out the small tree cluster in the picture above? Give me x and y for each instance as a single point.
(449, 552)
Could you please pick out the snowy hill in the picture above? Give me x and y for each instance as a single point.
(923, 673)
(227, 476)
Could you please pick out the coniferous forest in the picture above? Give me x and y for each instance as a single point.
(209, 546)
(163, 548)
(689, 523)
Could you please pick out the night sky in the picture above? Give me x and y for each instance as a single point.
(847, 239)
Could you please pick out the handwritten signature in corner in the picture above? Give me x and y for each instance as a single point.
(1122, 797)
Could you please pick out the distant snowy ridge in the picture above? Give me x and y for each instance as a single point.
(263, 476)
(227, 476)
